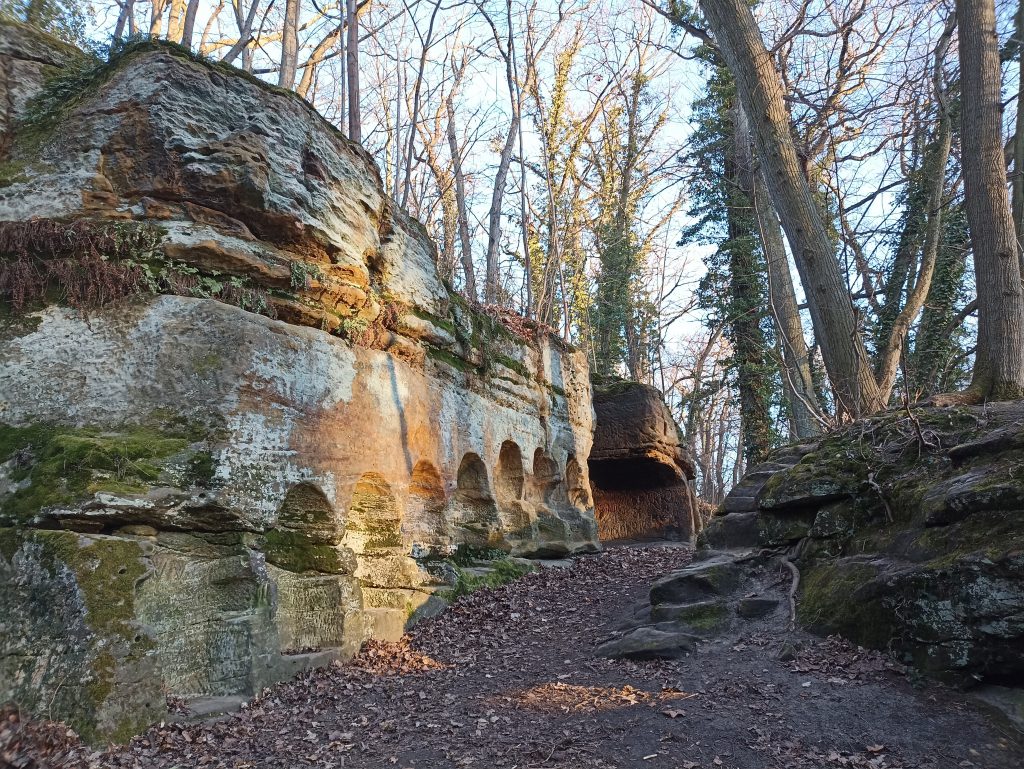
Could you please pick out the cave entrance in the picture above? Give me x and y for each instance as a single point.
(639, 498)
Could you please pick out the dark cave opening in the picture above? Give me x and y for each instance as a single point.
(639, 498)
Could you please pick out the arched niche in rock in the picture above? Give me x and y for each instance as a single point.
(546, 481)
(510, 477)
(509, 486)
(305, 507)
(475, 511)
(306, 536)
(374, 520)
(311, 594)
(424, 518)
(576, 484)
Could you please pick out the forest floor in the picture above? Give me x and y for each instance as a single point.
(508, 678)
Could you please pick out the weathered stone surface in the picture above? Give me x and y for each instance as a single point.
(1006, 701)
(912, 547)
(639, 467)
(649, 643)
(700, 616)
(783, 529)
(70, 634)
(754, 608)
(26, 58)
(281, 482)
(707, 579)
(735, 530)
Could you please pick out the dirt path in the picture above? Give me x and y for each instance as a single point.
(508, 678)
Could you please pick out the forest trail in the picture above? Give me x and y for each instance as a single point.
(508, 678)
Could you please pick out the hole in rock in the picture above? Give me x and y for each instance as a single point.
(638, 498)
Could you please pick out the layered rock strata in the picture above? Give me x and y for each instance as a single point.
(639, 467)
(908, 531)
(241, 417)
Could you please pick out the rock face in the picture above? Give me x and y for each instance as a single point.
(639, 468)
(241, 448)
(909, 534)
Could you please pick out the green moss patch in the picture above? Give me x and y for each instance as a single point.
(500, 573)
(293, 551)
(53, 465)
(105, 571)
(844, 597)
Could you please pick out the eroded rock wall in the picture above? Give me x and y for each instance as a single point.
(640, 469)
(240, 451)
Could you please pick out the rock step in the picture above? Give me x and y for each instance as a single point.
(734, 530)
(717, 576)
(699, 616)
(734, 503)
(649, 642)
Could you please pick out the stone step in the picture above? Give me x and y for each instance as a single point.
(715, 577)
(699, 616)
(650, 643)
(735, 503)
(735, 530)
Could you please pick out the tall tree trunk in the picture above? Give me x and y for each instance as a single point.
(175, 19)
(189, 25)
(289, 45)
(156, 19)
(1018, 137)
(460, 200)
(805, 411)
(125, 17)
(828, 298)
(746, 308)
(999, 362)
(355, 119)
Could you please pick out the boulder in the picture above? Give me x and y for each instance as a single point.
(644, 643)
(707, 579)
(639, 467)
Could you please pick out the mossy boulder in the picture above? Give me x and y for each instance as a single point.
(784, 529)
(702, 616)
(847, 597)
(71, 647)
(707, 579)
(908, 530)
(825, 475)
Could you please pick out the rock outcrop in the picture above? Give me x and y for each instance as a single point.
(908, 530)
(639, 467)
(241, 418)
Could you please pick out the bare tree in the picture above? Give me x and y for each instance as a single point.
(289, 44)
(828, 297)
(999, 361)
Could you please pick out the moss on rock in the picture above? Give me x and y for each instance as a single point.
(293, 551)
(52, 465)
(100, 684)
(842, 597)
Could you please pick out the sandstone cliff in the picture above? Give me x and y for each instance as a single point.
(242, 418)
